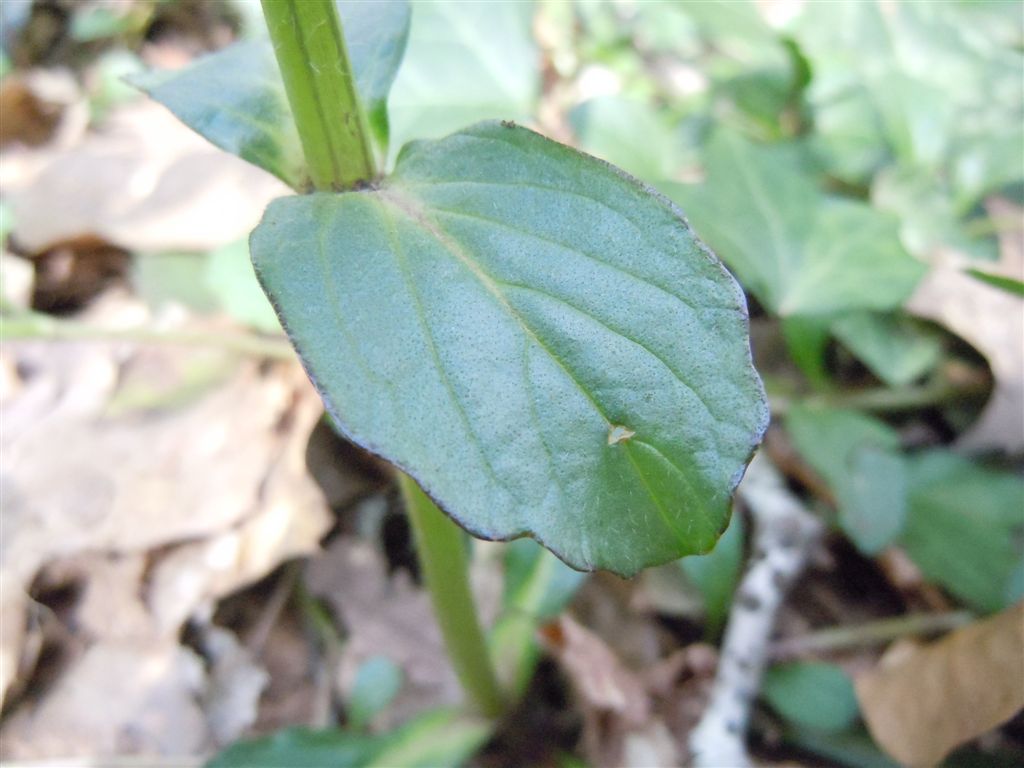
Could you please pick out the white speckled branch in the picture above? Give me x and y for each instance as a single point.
(784, 535)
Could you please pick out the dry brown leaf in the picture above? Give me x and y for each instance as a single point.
(145, 183)
(119, 698)
(218, 484)
(665, 590)
(622, 724)
(992, 320)
(921, 702)
(384, 616)
(600, 679)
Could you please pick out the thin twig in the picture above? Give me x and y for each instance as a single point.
(887, 399)
(784, 534)
(48, 329)
(870, 633)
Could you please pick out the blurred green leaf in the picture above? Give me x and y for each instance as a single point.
(717, 573)
(1008, 284)
(628, 133)
(756, 101)
(538, 586)
(114, 70)
(465, 62)
(441, 737)
(915, 79)
(536, 582)
(800, 252)
(859, 457)
(378, 681)
(222, 280)
(230, 279)
(812, 695)
(738, 30)
(854, 748)
(964, 527)
(376, 35)
(928, 217)
(807, 339)
(173, 278)
(97, 22)
(898, 349)
(987, 158)
(872, 498)
(299, 747)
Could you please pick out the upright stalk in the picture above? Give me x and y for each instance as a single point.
(321, 88)
(311, 54)
(442, 555)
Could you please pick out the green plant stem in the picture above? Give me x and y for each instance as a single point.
(870, 633)
(310, 49)
(442, 555)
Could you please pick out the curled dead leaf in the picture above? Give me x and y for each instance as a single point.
(992, 320)
(921, 702)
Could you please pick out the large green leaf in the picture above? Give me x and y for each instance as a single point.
(465, 62)
(800, 252)
(236, 100)
(534, 336)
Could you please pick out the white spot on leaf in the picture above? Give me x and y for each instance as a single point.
(619, 434)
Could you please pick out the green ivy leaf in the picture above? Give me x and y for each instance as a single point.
(799, 251)
(964, 527)
(923, 84)
(898, 349)
(812, 695)
(859, 457)
(534, 336)
(236, 100)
